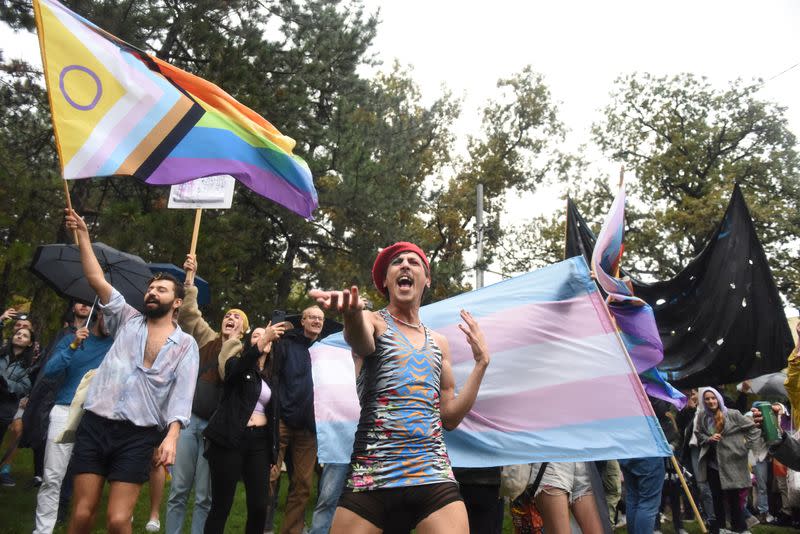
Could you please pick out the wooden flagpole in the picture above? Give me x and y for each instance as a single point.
(193, 247)
(647, 400)
(69, 206)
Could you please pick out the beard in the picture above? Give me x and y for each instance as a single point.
(161, 309)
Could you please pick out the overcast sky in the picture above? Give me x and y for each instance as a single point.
(582, 46)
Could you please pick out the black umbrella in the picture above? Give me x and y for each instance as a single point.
(60, 266)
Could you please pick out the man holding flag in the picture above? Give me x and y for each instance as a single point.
(139, 399)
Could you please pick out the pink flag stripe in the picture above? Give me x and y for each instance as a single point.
(140, 104)
(338, 403)
(512, 371)
(607, 397)
(530, 324)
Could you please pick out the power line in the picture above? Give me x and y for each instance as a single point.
(765, 82)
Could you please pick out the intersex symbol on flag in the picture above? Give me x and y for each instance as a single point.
(120, 111)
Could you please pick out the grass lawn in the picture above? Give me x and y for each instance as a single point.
(17, 506)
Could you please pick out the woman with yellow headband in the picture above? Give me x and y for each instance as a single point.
(191, 467)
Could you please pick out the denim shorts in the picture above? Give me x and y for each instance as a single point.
(571, 478)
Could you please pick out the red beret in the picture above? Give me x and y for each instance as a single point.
(386, 255)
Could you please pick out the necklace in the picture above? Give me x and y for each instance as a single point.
(410, 325)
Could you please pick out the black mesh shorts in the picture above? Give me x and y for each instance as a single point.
(399, 509)
(117, 450)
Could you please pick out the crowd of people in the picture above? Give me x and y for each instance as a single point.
(122, 397)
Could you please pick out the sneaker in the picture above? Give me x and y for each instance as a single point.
(154, 525)
(7, 480)
(36, 482)
(683, 531)
(752, 521)
(621, 521)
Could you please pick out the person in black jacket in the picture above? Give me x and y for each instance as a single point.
(294, 393)
(241, 436)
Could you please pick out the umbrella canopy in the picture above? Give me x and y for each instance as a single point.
(203, 290)
(60, 266)
(769, 385)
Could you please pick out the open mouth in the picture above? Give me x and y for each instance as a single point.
(405, 281)
(229, 324)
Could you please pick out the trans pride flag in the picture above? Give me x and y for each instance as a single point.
(120, 111)
(559, 386)
(633, 316)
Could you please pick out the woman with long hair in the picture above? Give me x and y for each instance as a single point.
(15, 381)
(724, 435)
(241, 436)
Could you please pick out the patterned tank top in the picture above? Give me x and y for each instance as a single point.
(399, 440)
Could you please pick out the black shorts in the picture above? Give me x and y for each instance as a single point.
(399, 509)
(117, 450)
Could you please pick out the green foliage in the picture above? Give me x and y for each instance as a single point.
(377, 154)
(684, 144)
(688, 143)
(515, 153)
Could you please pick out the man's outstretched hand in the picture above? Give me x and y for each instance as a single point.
(347, 301)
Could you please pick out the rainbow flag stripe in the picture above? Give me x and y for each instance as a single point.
(120, 111)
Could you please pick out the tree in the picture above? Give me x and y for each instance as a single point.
(687, 143)
(365, 139)
(684, 144)
(516, 152)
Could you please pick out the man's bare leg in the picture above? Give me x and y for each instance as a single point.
(121, 501)
(585, 511)
(450, 518)
(88, 488)
(348, 522)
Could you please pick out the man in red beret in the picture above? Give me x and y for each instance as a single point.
(400, 475)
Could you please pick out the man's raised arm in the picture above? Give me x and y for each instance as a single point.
(359, 331)
(454, 408)
(91, 267)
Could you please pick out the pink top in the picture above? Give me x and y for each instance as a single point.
(263, 399)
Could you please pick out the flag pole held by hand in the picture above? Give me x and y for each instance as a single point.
(193, 248)
(69, 206)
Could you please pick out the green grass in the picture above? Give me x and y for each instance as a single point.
(18, 504)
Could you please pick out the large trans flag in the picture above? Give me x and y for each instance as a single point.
(559, 386)
(634, 318)
(120, 111)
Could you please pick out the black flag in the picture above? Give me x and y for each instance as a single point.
(720, 319)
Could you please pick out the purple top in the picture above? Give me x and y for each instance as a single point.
(263, 399)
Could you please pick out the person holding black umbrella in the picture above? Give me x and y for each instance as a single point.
(139, 399)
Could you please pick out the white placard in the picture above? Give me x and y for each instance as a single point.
(213, 192)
